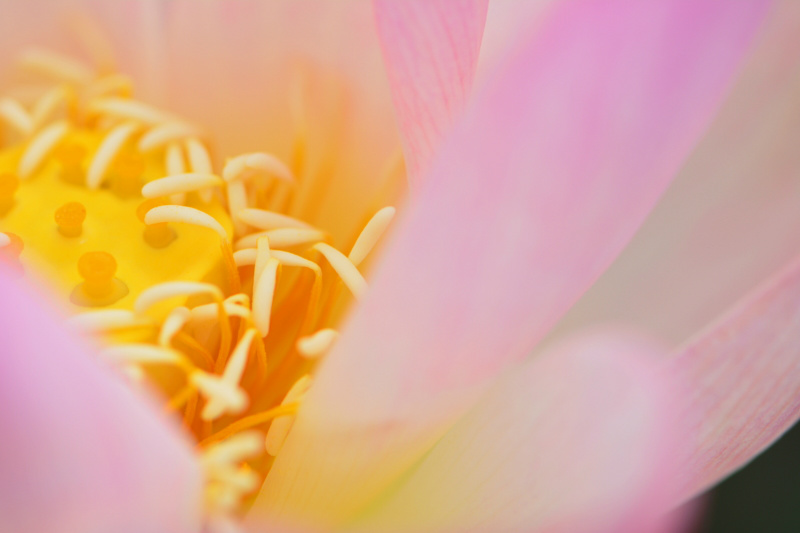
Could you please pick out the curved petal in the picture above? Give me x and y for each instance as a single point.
(431, 53)
(553, 167)
(730, 219)
(579, 439)
(744, 377)
(80, 452)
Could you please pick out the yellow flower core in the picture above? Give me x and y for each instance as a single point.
(192, 274)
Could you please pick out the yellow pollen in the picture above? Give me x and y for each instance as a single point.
(69, 219)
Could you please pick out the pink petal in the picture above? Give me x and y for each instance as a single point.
(551, 171)
(431, 53)
(731, 217)
(744, 373)
(580, 439)
(80, 451)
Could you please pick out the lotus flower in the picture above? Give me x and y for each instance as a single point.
(442, 406)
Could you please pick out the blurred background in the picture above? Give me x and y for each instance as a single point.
(763, 497)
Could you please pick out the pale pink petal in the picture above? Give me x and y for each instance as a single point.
(80, 452)
(431, 52)
(555, 164)
(580, 439)
(744, 377)
(731, 217)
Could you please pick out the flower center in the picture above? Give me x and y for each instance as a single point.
(193, 275)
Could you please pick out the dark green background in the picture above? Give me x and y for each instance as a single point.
(762, 498)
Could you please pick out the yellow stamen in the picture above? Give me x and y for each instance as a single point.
(207, 312)
(232, 374)
(179, 183)
(174, 322)
(283, 237)
(163, 134)
(347, 271)
(156, 235)
(12, 112)
(185, 215)
(133, 190)
(107, 320)
(109, 85)
(107, 151)
(371, 234)
(230, 396)
(259, 163)
(317, 344)
(263, 293)
(171, 289)
(48, 105)
(267, 220)
(126, 109)
(280, 427)
(251, 421)
(200, 162)
(142, 354)
(40, 147)
(56, 66)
